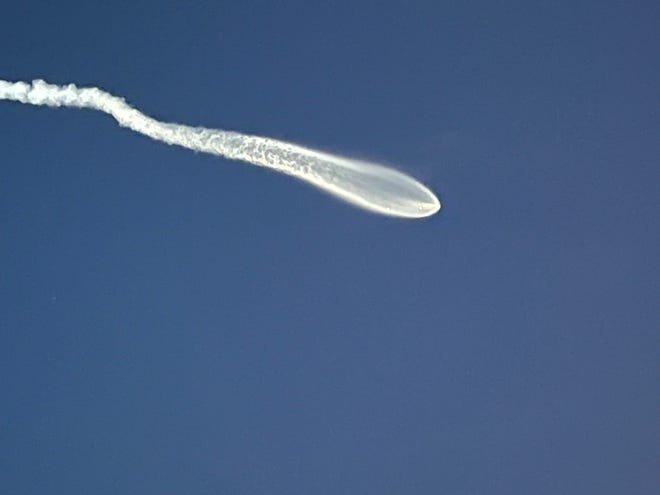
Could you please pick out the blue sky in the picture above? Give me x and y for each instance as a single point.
(175, 323)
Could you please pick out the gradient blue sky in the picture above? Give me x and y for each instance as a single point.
(172, 323)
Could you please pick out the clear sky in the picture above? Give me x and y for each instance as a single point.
(174, 323)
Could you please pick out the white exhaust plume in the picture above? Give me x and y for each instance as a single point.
(370, 186)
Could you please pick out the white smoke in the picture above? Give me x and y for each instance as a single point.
(370, 186)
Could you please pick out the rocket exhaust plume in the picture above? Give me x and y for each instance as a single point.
(373, 187)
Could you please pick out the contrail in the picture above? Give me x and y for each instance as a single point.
(373, 187)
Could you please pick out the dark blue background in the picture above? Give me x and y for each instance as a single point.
(174, 323)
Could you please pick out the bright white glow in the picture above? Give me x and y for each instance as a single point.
(370, 186)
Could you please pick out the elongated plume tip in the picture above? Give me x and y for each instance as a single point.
(367, 185)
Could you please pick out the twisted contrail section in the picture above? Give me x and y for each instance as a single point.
(373, 187)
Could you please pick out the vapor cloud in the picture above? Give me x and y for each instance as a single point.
(367, 185)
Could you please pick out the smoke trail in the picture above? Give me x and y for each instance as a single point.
(370, 186)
